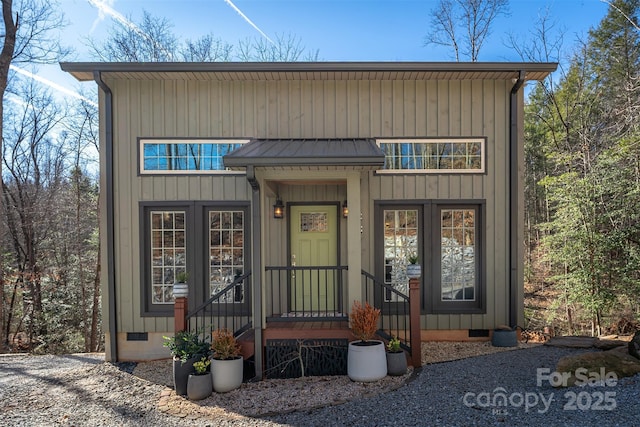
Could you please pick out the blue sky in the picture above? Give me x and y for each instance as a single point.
(341, 30)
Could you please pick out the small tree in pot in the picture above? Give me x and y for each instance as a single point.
(186, 348)
(226, 362)
(366, 360)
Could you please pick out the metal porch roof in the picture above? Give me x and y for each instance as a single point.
(306, 152)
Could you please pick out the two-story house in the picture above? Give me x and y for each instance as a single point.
(299, 183)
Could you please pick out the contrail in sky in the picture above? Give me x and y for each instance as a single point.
(248, 20)
(104, 8)
(51, 84)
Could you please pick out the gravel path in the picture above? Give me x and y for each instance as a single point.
(450, 394)
(80, 390)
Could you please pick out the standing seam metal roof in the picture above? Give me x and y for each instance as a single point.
(306, 152)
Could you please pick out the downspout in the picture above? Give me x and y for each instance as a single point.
(256, 270)
(111, 252)
(513, 200)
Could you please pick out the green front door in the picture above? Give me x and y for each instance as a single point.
(314, 242)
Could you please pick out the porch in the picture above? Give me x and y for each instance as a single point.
(315, 327)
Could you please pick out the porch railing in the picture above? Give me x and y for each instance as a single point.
(305, 293)
(394, 308)
(228, 309)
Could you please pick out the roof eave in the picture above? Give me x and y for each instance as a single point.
(83, 71)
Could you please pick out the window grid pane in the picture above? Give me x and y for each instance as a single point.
(167, 156)
(400, 241)
(458, 255)
(457, 155)
(226, 253)
(168, 253)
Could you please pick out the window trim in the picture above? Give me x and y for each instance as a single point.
(471, 139)
(196, 215)
(141, 141)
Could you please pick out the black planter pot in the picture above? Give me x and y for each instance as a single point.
(504, 338)
(396, 363)
(181, 373)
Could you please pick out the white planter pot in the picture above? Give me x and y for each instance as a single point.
(226, 374)
(414, 271)
(180, 290)
(366, 362)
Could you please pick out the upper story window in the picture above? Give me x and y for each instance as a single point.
(434, 155)
(186, 156)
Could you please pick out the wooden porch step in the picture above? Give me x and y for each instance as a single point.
(308, 330)
(295, 331)
(247, 343)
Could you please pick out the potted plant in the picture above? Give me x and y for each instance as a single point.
(396, 359)
(504, 336)
(413, 268)
(199, 385)
(366, 359)
(180, 287)
(186, 348)
(226, 362)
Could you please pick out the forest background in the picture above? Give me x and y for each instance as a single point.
(582, 164)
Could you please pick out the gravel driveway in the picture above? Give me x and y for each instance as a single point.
(81, 390)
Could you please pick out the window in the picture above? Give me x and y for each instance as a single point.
(447, 238)
(457, 276)
(450, 155)
(226, 252)
(185, 156)
(457, 255)
(400, 241)
(168, 252)
(207, 240)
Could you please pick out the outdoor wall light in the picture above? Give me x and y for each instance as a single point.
(345, 209)
(278, 209)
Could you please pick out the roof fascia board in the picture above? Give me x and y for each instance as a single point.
(284, 67)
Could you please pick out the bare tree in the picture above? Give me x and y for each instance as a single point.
(34, 166)
(285, 48)
(544, 43)
(206, 49)
(464, 25)
(29, 36)
(152, 40)
(82, 133)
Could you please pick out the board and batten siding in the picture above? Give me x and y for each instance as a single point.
(310, 109)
